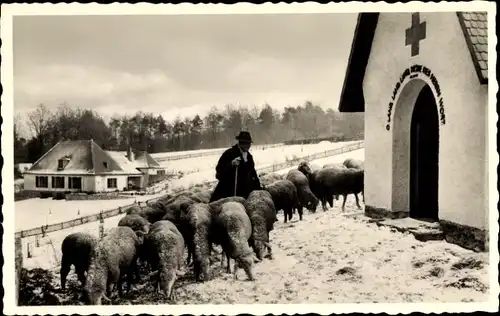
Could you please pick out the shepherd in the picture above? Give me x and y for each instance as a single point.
(236, 170)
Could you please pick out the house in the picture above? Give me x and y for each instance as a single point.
(422, 79)
(82, 166)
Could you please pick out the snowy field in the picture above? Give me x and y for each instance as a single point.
(33, 213)
(262, 157)
(48, 254)
(205, 151)
(331, 257)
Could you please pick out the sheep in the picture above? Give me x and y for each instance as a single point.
(115, 255)
(354, 163)
(200, 222)
(335, 165)
(234, 231)
(262, 214)
(312, 167)
(152, 212)
(216, 206)
(76, 250)
(285, 197)
(310, 172)
(306, 196)
(270, 178)
(332, 181)
(165, 246)
(136, 222)
(175, 211)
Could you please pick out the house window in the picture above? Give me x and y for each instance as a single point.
(42, 182)
(58, 182)
(75, 183)
(62, 163)
(112, 183)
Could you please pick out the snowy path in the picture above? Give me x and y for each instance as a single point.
(332, 258)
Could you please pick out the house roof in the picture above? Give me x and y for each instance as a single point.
(121, 159)
(85, 157)
(144, 160)
(474, 27)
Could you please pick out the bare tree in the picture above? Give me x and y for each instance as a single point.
(39, 122)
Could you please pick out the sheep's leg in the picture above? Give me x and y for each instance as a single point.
(323, 203)
(300, 213)
(228, 269)
(331, 200)
(222, 259)
(343, 203)
(357, 201)
(285, 216)
(290, 214)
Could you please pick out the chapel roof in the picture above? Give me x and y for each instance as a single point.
(474, 27)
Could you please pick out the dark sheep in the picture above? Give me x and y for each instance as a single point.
(235, 230)
(176, 211)
(114, 256)
(200, 222)
(177, 208)
(152, 212)
(354, 163)
(285, 197)
(165, 246)
(136, 222)
(76, 250)
(311, 171)
(262, 214)
(332, 181)
(306, 196)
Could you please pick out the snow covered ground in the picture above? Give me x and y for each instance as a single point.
(262, 158)
(33, 213)
(334, 257)
(206, 151)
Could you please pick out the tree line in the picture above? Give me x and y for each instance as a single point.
(150, 132)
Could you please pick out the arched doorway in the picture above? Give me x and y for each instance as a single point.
(424, 157)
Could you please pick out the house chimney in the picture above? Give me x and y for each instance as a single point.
(130, 154)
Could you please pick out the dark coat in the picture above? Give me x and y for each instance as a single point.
(225, 173)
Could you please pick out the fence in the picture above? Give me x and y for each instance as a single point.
(43, 230)
(210, 153)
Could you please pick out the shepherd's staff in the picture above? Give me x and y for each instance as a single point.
(236, 180)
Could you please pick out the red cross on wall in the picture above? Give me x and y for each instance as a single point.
(415, 34)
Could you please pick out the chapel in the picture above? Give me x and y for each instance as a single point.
(422, 80)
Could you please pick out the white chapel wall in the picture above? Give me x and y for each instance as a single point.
(462, 141)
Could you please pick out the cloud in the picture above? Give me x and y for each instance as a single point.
(179, 64)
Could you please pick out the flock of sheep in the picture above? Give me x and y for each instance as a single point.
(156, 235)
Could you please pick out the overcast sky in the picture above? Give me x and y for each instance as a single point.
(180, 64)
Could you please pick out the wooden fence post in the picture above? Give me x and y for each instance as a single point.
(18, 264)
(101, 226)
